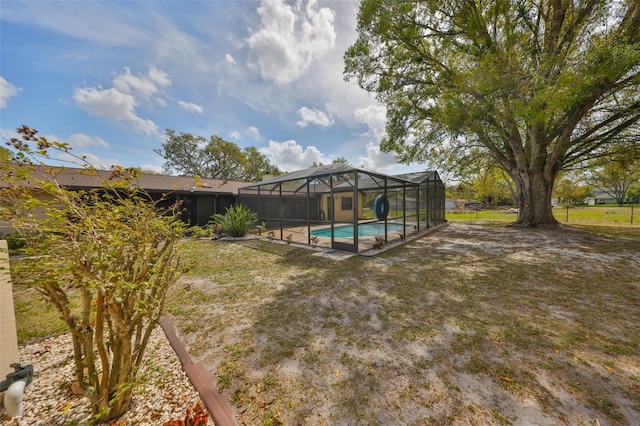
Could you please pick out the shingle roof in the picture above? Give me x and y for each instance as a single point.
(73, 178)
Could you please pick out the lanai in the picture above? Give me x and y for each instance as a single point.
(345, 207)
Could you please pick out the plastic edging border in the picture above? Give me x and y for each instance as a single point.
(200, 378)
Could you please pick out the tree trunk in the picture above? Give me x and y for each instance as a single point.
(535, 199)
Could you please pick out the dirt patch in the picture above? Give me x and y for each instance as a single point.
(468, 325)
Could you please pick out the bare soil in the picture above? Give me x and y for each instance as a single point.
(484, 325)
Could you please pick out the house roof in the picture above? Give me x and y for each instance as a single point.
(375, 179)
(419, 177)
(313, 172)
(74, 178)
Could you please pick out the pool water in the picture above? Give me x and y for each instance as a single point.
(364, 230)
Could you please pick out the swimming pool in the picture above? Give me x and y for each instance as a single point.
(364, 230)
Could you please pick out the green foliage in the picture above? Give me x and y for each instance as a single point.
(615, 173)
(112, 250)
(217, 158)
(339, 160)
(15, 241)
(237, 221)
(5, 154)
(633, 193)
(531, 87)
(570, 191)
(199, 232)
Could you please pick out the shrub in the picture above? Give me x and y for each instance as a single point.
(199, 232)
(114, 249)
(15, 241)
(237, 221)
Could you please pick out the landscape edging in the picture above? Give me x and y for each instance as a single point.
(200, 378)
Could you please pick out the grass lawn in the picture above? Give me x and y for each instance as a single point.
(594, 215)
(472, 324)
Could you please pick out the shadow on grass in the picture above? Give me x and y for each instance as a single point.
(469, 325)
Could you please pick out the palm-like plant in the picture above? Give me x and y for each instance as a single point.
(237, 221)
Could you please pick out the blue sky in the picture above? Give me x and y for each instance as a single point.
(109, 77)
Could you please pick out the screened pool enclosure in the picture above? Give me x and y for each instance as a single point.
(347, 208)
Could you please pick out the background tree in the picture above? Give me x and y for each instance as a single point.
(339, 160)
(5, 155)
(493, 188)
(194, 156)
(103, 258)
(257, 165)
(615, 175)
(633, 193)
(535, 86)
(481, 180)
(571, 190)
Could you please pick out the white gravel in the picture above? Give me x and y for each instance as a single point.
(164, 393)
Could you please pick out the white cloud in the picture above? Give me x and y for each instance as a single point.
(89, 158)
(374, 116)
(159, 77)
(120, 102)
(79, 140)
(376, 159)
(251, 132)
(7, 90)
(229, 59)
(189, 106)
(313, 116)
(254, 133)
(143, 85)
(290, 39)
(9, 134)
(290, 156)
(113, 104)
(192, 58)
(106, 23)
(76, 140)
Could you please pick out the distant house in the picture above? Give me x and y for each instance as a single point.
(600, 197)
(201, 198)
(450, 204)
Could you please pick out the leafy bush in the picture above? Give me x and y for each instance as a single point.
(15, 241)
(237, 221)
(112, 247)
(199, 232)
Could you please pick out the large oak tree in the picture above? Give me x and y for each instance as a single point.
(535, 85)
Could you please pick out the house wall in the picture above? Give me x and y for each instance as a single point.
(339, 214)
(5, 228)
(605, 199)
(198, 209)
(205, 208)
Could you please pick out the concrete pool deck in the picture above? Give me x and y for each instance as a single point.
(299, 238)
